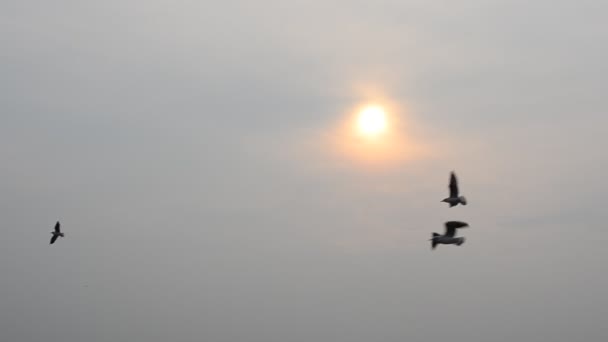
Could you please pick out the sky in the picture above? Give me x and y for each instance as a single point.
(199, 157)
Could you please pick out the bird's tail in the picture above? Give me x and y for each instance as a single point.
(434, 241)
(463, 200)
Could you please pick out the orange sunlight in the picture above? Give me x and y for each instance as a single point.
(374, 134)
(372, 121)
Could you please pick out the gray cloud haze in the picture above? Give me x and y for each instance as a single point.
(186, 148)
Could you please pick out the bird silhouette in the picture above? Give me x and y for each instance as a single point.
(56, 233)
(454, 198)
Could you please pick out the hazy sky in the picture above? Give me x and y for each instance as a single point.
(191, 151)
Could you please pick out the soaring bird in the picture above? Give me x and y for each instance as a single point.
(454, 198)
(56, 233)
(449, 237)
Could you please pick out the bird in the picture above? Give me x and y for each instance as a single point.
(454, 198)
(449, 237)
(56, 233)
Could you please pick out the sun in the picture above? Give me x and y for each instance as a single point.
(371, 121)
(376, 134)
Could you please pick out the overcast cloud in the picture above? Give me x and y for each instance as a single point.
(185, 147)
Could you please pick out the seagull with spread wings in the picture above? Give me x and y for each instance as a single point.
(56, 233)
(449, 238)
(454, 198)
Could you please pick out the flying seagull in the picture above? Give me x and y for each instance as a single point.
(454, 199)
(56, 233)
(449, 237)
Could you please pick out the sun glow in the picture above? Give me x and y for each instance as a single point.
(376, 134)
(372, 121)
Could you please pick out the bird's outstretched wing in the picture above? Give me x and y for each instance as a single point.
(57, 227)
(451, 226)
(54, 238)
(453, 185)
